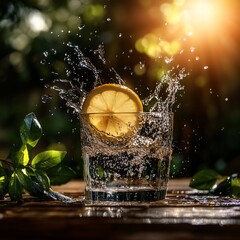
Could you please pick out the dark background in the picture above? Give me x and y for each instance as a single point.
(207, 111)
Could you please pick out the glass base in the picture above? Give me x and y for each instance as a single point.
(124, 196)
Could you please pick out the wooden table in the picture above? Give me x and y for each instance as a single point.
(184, 214)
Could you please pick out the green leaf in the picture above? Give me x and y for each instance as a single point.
(48, 159)
(228, 187)
(2, 187)
(100, 171)
(40, 186)
(204, 179)
(15, 188)
(20, 157)
(60, 197)
(43, 179)
(34, 188)
(60, 174)
(3, 183)
(30, 130)
(235, 184)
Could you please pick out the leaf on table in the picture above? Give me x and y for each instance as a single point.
(60, 174)
(227, 187)
(30, 130)
(204, 179)
(48, 159)
(3, 183)
(43, 178)
(235, 187)
(60, 197)
(15, 188)
(34, 188)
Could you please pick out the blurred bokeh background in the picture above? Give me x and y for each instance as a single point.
(142, 40)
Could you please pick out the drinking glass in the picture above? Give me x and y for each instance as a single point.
(131, 168)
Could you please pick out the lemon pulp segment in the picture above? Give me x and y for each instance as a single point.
(112, 109)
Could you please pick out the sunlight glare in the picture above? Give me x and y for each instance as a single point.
(37, 22)
(204, 15)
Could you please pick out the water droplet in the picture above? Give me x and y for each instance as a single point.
(54, 51)
(68, 73)
(192, 49)
(120, 35)
(81, 27)
(46, 97)
(197, 58)
(205, 67)
(226, 99)
(168, 59)
(109, 19)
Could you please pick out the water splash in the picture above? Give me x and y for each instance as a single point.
(81, 75)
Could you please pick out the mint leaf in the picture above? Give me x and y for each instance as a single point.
(38, 185)
(30, 130)
(42, 178)
(59, 197)
(235, 184)
(15, 188)
(225, 187)
(48, 159)
(3, 184)
(204, 179)
(20, 157)
(60, 174)
(34, 188)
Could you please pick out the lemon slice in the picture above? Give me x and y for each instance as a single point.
(113, 110)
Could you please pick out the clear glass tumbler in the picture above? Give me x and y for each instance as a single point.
(130, 168)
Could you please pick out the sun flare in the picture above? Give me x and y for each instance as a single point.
(204, 15)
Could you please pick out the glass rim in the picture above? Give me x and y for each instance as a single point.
(125, 113)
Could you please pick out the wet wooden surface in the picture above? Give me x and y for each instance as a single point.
(184, 214)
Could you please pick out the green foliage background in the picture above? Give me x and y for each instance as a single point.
(207, 121)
